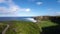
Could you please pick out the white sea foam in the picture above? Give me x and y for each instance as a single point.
(32, 19)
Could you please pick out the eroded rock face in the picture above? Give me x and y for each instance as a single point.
(41, 18)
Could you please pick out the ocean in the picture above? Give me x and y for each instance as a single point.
(17, 18)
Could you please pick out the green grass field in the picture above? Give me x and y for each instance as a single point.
(23, 27)
(46, 24)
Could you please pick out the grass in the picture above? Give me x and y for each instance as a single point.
(2, 26)
(23, 27)
(46, 24)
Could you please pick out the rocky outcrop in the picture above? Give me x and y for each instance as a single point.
(41, 18)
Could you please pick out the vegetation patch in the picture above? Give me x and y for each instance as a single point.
(22, 27)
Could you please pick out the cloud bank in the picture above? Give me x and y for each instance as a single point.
(13, 9)
(39, 3)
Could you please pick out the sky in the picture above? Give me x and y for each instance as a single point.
(19, 8)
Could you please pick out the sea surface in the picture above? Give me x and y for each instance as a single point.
(16, 18)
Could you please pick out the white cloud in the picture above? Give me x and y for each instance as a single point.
(49, 8)
(1, 1)
(57, 13)
(4, 10)
(39, 3)
(27, 10)
(12, 9)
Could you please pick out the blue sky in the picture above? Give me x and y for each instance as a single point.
(29, 7)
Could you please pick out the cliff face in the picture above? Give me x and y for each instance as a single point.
(42, 18)
(55, 19)
(47, 18)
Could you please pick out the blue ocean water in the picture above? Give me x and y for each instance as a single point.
(14, 18)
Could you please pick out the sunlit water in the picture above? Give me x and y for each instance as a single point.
(31, 19)
(17, 18)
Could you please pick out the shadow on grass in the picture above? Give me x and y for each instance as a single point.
(52, 29)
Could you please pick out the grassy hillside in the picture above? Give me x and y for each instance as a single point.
(46, 24)
(23, 27)
(20, 27)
